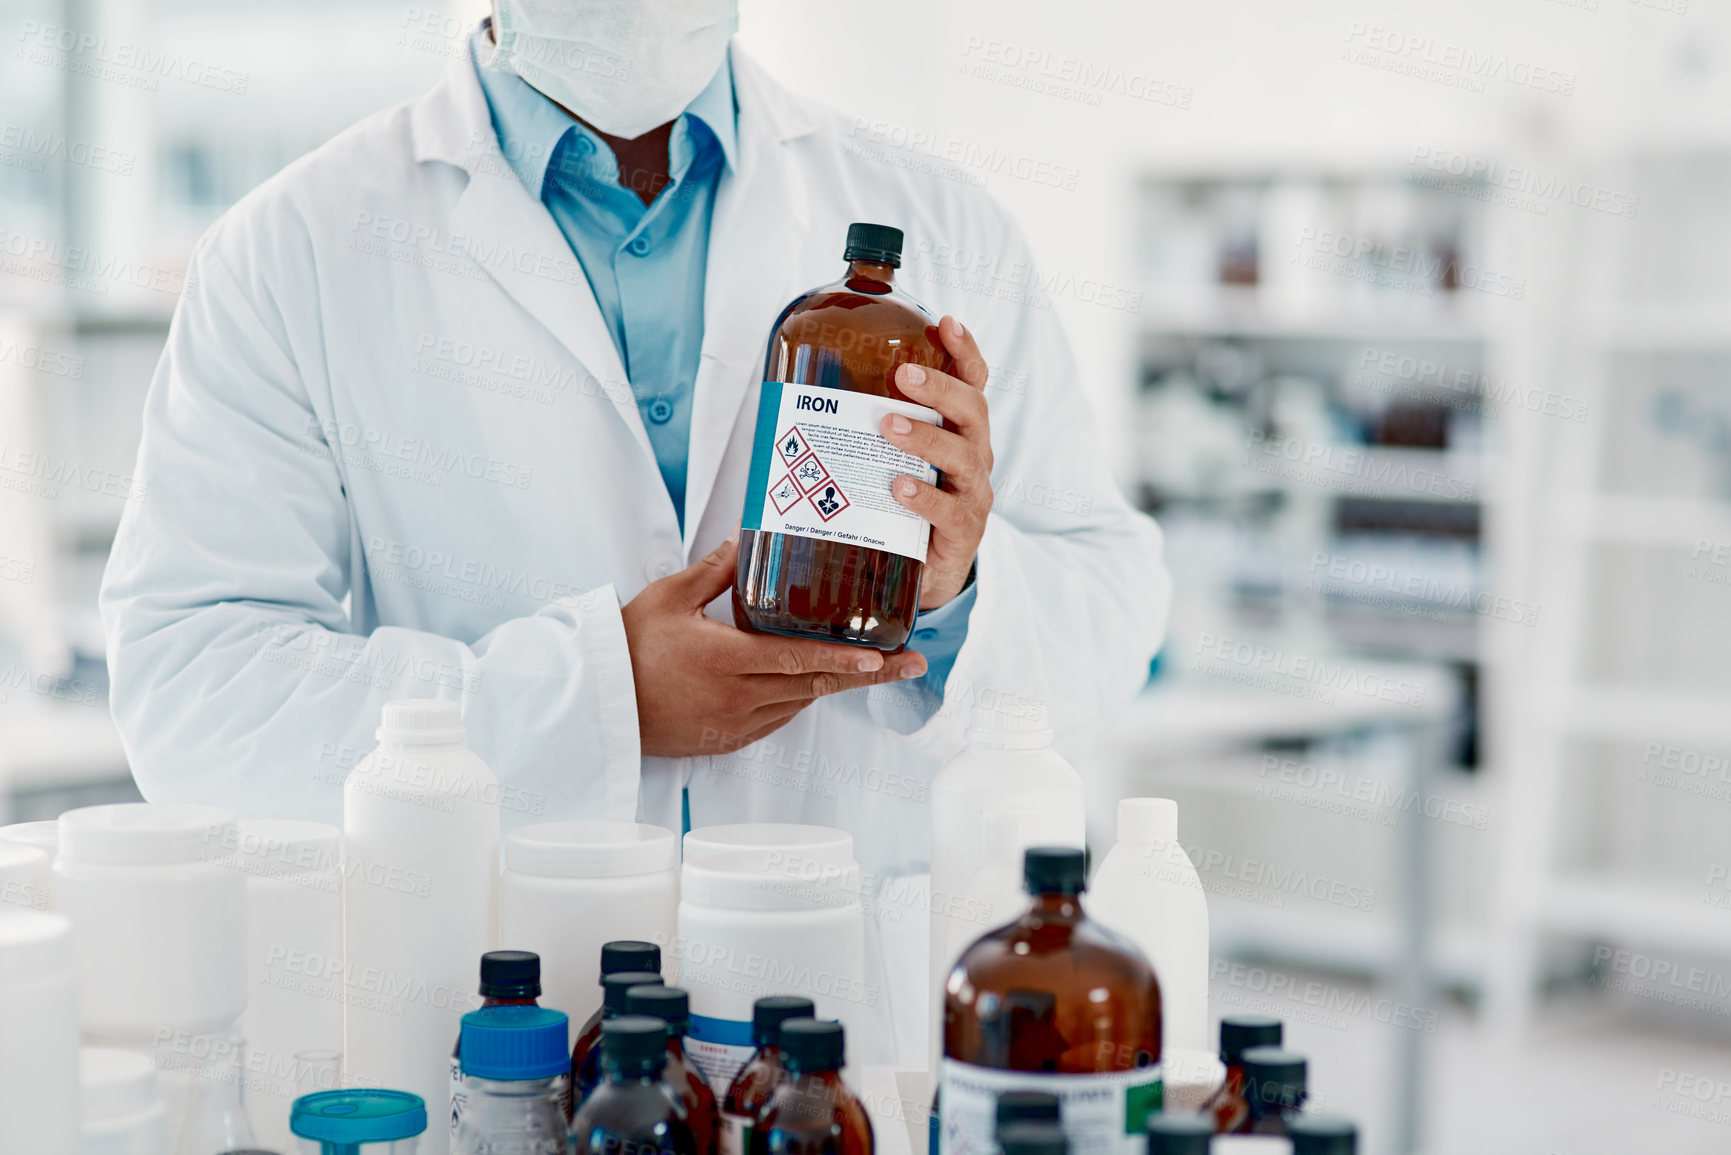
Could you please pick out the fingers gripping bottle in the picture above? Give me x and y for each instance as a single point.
(1053, 1002)
(824, 550)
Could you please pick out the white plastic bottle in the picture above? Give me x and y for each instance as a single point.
(420, 874)
(1006, 791)
(38, 1034)
(1147, 890)
(122, 1112)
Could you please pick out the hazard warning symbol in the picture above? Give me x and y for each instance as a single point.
(809, 473)
(792, 445)
(829, 500)
(807, 479)
(784, 494)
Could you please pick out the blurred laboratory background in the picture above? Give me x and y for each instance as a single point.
(1410, 322)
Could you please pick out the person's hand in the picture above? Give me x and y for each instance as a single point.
(962, 451)
(704, 687)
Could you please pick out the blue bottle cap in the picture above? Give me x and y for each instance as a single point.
(513, 1043)
(362, 1115)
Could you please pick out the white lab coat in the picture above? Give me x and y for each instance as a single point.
(390, 452)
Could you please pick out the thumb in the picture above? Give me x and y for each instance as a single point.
(709, 577)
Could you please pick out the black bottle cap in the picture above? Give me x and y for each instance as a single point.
(1174, 1133)
(1032, 1137)
(634, 1045)
(812, 1045)
(615, 989)
(880, 244)
(1054, 870)
(769, 1012)
(628, 954)
(668, 1003)
(1274, 1080)
(1239, 1032)
(510, 974)
(1027, 1107)
(1322, 1135)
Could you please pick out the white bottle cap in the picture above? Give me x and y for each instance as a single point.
(590, 849)
(754, 847)
(146, 833)
(114, 1084)
(34, 945)
(45, 835)
(1147, 820)
(421, 721)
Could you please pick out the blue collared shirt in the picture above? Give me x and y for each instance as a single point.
(646, 265)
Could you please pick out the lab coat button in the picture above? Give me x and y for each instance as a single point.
(925, 635)
(660, 565)
(660, 411)
(640, 246)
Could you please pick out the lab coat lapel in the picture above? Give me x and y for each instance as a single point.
(515, 240)
(756, 233)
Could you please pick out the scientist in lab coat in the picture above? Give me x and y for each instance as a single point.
(461, 405)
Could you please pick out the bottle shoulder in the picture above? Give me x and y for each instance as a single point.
(1030, 949)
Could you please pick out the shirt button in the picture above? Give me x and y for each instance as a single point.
(925, 635)
(660, 411)
(660, 565)
(640, 246)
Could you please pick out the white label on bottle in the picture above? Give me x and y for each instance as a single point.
(459, 1097)
(821, 469)
(719, 1062)
(1104, 1113)
(735, 1133)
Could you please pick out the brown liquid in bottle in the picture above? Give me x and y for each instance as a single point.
(1226, 1107)
(851, 335)
(673, 1006)
(812, 1111)
(750, 1090)
(1052, 993)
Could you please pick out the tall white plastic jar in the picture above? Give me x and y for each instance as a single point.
(1006, 791)
(767, 909)
(420, 872)
(24, 875)
(160, 916)
(38, 1034)
(569, 887)
(121, 1111)
(1147, 890)
(294, 919)
(43, 836)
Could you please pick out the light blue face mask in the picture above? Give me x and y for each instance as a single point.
(624, 66)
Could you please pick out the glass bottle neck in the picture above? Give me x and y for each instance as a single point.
(870, 276)
(1055, 907)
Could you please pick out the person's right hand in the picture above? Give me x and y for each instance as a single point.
(704, 687)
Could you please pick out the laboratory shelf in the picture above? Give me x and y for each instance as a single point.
(1602, 906)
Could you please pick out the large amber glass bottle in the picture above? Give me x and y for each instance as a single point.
(824, 550)
(1053, 1002)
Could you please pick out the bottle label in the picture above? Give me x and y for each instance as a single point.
(820, 469)
(1104, 1113)
(719, 1048)
(735, 1134)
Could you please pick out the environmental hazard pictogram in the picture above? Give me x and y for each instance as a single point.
(807, 479)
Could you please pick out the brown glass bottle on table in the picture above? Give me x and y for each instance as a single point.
(1238, 1033)
(673, 1006)
(615, 989)
(850, 337)
(1052, 1002)
(812, 1111)
(632, 1110)
(762, 1073)
(617, 957)
(1274, 1090)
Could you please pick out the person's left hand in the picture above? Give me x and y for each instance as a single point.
(962, 451)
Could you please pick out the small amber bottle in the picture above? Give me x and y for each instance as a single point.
(631, 1110)
(1052, 1002)
(824, 550)
(762, 1073)
(1238, 1033)
(617, 957)
(615, 990)
(673, 1006)
(812, 1112)
(1274, 1090)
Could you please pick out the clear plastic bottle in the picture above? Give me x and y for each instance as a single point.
(615, 994)
(813, 1112)
(632, 1110)
(673, 1007)
(1238, 1033)
(1053, 1002)
(515, 1067)
(509, 978)
(617, 957)
(1008, 790)
(820, 468)
(1147, 890)
(762, 1073)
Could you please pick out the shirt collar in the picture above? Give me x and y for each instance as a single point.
(530, 126)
